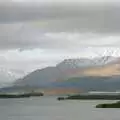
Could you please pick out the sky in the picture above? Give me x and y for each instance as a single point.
(38, 33)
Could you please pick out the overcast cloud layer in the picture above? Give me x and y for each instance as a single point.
(63, 18)
(36, 35)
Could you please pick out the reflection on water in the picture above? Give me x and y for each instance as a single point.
(48, 108)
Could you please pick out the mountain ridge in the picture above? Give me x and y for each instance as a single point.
(73, 68)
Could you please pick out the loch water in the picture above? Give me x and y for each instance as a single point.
(48, 108)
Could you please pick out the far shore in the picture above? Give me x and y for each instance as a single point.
(19, 95)
(90, 97)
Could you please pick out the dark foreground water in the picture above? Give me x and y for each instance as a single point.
(48, 108)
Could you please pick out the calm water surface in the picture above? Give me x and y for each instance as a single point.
(48, 108)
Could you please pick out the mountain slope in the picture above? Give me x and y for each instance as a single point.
(89, 83)
(40, 77)
(109, 70)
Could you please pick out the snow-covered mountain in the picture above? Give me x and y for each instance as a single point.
(103, 66)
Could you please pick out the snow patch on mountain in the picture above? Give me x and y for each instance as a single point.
(85, 62)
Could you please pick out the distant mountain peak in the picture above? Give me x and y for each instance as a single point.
(85, 62)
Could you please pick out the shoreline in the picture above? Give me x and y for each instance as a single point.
(90, 97)
(24, 95)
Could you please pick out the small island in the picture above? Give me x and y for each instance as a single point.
(110, 105)
(20, 95)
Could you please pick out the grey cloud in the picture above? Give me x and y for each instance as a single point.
(94, 18)
(28, 36)
(53, 26)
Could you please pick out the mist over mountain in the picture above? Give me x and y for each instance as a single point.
(6, 77)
